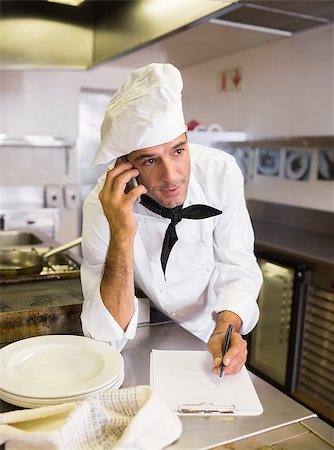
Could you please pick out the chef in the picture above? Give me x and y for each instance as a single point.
(169, 217)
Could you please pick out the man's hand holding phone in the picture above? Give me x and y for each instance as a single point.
(131, 185)
(117, 199)
(118, 196)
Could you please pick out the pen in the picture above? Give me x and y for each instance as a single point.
(226, 345)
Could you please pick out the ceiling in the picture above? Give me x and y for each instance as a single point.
(241, 26)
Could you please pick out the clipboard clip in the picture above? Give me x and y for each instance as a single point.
(206, 408)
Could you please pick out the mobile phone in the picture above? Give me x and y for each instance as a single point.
(132, 184)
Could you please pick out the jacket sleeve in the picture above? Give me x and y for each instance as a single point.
(240, 277)
(97, 322)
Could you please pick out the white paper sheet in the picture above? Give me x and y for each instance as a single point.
(184, 378)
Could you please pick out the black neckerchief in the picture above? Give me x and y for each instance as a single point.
(176, 215)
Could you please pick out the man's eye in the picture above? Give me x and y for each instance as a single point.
(178, 151)
(149, 162)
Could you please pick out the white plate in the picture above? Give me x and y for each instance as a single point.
(25, 402)
(8, 396)
(57, 366)
(115, 380)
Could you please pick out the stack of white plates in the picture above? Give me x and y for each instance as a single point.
(47, 370)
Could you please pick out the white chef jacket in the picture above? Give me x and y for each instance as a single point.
(211, 267)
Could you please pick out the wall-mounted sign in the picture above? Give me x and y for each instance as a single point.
(268, 162)
(326, 165)
(297, 165)
(231, 79)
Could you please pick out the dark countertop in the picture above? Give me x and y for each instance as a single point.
(38, 308)
(302, 245)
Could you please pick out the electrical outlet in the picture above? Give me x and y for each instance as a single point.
(72, 196)
(53, 197)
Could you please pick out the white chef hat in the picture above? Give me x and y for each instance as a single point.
(145, 111)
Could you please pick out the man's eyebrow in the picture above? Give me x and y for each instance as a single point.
(143, 156)
(152, 155)
(179, 144)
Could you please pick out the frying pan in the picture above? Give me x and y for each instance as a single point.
(14, 263)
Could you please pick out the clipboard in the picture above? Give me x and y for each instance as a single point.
(183, 379)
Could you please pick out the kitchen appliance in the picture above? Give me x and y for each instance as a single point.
(43, 219)
(59, 267)
(276, 340)
(14, 263)
(34, 246)
(23, 207)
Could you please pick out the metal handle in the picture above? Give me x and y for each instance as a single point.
(62, 248)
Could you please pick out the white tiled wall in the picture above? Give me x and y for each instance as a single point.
(288, 90)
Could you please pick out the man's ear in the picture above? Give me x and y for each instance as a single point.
(121, 159)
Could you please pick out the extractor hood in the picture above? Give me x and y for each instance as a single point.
(41, 34)
(284, 17)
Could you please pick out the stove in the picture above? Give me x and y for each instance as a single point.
(58, 267)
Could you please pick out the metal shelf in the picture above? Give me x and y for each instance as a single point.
(36, 141)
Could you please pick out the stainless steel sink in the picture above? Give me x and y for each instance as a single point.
(16, 238)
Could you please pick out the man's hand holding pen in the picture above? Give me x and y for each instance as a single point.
(236, 355)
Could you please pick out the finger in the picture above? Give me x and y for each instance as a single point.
(106, 186)
(120, 160)
(120, 181)
(234, 358)
(117, 178)
(235, 366)
(109, 179)
(215, 348)
(217, 344)
(136, 192)
(237, 362)
(237, 345)
(118, 170)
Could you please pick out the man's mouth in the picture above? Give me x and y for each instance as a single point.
(173, 190)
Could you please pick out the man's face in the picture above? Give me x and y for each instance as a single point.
(164, 171)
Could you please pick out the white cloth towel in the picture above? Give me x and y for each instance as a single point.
(126, 419)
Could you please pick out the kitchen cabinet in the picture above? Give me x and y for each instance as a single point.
(296, 330)
(314, 384)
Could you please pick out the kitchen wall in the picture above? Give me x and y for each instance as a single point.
(44, 102)
(288, 90)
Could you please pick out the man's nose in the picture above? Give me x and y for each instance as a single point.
(167, 171)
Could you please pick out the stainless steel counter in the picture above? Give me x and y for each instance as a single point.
(282, 416)
(204, 432)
